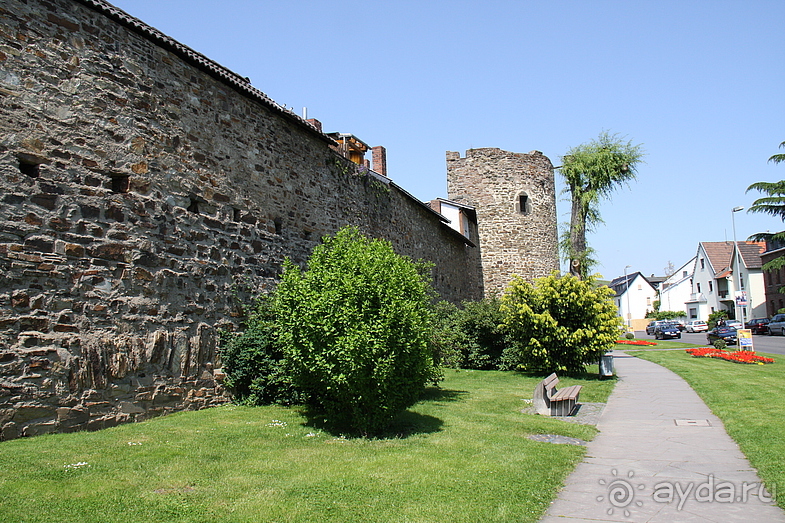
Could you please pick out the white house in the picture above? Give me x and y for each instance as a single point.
(634, 298)
(711, 262)
(747, 277)
(713, 281)
(676, 289)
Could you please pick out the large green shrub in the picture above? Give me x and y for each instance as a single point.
(447, 340)
(558, 324)
(481, 323)
(472, 336)
(354, 328)
(256, 371)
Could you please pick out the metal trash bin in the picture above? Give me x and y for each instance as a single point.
(606, 366)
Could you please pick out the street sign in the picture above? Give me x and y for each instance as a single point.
(745, 339)
(741, 298)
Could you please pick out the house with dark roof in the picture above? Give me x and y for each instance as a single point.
(714, 284)
(747, 281)
(634, 298)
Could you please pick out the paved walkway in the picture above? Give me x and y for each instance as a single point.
(659, 442)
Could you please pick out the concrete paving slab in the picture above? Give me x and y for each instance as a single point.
(646, 466)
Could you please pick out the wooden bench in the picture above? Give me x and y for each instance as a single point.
(551, 402)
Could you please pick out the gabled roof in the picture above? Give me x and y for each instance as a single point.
(718, 254)
(750, 254)
(622, 283)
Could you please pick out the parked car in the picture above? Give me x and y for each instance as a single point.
(777, 324)
(758, 325)
(696, 326)
(653, 324)
(735, 324)
(666, 330)
(680, 324)
(728, 334)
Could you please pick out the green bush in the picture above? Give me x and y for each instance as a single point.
(446, 337)
(558, 324)
(481, 323)
(720, 344)
(256, 372)
(470, 337)
(355, 329)
(666, 315)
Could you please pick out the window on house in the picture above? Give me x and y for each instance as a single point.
(698, 285)
(741, 281)
(711, 286)
(703, 264)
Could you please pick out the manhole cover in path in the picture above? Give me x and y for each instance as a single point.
(692, 423)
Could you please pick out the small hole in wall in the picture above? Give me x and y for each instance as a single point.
(120, 184)
(32, 170)
(278, 225)
(193, 206)
(236, 215)
(523, 204)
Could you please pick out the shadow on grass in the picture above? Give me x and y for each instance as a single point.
(442, 395)
(583, 376)
(405, 424)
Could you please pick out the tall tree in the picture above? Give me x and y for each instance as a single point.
(777, 158)
(774, 204)
(592, 172)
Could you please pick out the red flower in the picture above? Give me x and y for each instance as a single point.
(741, 356)
(635, 342)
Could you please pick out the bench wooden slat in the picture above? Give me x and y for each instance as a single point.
(550, 401)
(569, 393)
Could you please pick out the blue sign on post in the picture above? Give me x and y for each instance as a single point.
(745, 339)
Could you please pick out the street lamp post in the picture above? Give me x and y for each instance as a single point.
(736, 283)
(627, 293)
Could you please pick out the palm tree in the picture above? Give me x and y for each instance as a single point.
(592, 172)
(777, 158)
(774, 204)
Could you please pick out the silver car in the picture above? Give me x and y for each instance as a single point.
(777, 324)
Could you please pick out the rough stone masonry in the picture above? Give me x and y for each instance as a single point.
(146, 193)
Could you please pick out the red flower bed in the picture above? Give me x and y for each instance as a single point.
(635, 342)
(740, 356)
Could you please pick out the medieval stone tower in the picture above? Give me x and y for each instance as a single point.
(514, 197)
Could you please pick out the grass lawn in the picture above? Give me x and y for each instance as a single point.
(466, 457)
(749, 399)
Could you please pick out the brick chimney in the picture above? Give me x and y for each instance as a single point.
(316, 123)
(379, 160)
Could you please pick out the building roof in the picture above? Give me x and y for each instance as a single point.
(750, 254)
(622, 283)
(719, 254)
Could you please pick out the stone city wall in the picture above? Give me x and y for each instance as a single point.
(145, 193)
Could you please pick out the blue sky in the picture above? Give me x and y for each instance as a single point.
(699, 83)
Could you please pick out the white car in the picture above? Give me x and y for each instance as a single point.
(696, 326)
(734, 324)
